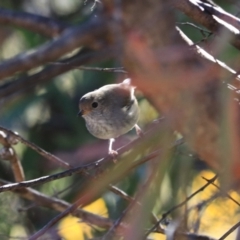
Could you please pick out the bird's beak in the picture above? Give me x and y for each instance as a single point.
(80, 113)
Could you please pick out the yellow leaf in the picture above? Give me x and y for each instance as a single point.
(217, 215)
(71, 228)
(157, 236)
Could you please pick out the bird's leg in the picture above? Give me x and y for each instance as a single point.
(139, 131)
(112, 152)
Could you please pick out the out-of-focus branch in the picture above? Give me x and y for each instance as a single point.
(78, 203)
(181, 204)
(24, 84)
(15, 137)
(44, 179)
(59, 205)
(94, 165)
(39, 24)
(84, 35)
(206, 55)
(186, 100)
(70, 210)
(67, 173)
(212, 17)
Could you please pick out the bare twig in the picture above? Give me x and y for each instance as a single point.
(80, 169)
(229, 231)
(228, 195)
(60, 205)
(69, 210)
(67, 173)
(45, 179)
(120, 193)
(205, 54)
(213, 18)
(24, 84)
(39, 150)
(99, 69)
(111, 70)
(181, 204)
(51, 157)
(203, 31)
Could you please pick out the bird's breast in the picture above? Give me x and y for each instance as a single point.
(112, 124)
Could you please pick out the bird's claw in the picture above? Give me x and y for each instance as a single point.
(113, 155)
(139, 131)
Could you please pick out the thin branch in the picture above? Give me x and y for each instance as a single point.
(181, 204)
(130, 199)
(51, 223)
(233, 228)
(109, 233)
(212, 17)
(67, 173)
(111, 70)
(44, 179)
(209, 57)
(99, 69)
(84, 168)
(228, 195)
(36, 148)
(24, 84)
(120, 193)
(49, 156)
(203, 31)
(39, 24)
(205, 54)
(60, 205)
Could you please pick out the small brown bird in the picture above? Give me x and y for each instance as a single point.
(110, 111)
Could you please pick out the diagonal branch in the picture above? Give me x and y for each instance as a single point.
(70, 210)
(60, 205)
(44, 179)
(24, 84)
(41, 151)
(232, 229)
(75, 37)
(210, 58)
(39, 24)
(212, 17)
(181, 204)
(84, 168)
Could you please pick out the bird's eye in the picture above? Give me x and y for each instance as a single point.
(94, 104)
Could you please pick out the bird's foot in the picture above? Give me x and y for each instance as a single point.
(139, 131)
(113, 154)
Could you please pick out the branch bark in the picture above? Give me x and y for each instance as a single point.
(60, 205)
(185, 88)
(212, 17)
(85, 35)
(35, 23)
(22, 85)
